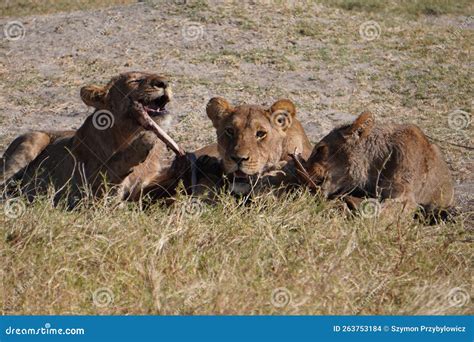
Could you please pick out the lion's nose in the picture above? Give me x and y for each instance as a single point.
(239, 159)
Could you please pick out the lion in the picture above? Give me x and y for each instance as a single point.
(113, 146)
(252, 152)
(254, 142)
(389, 161)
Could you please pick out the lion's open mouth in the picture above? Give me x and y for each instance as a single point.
(143, 113)
(156, 107)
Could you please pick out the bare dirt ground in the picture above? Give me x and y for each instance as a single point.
(332, 62)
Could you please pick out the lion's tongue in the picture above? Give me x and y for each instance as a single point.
(146, 121)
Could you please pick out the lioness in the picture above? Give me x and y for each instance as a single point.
(112, 145)
(386, 161)
(254, 141)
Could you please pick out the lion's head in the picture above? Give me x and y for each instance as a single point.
(253, 139)
(149, 91)
(389, 160)
(342, 160)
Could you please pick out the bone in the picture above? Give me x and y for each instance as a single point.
(144, 119)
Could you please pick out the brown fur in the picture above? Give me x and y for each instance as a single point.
(207, 170)
(384, 161)
(253, 140)
(123, 154)
(284, 134)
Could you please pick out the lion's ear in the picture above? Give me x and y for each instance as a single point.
(282, 113)
(362, 126)
(94, 96)
(218, 108)
(284, 105)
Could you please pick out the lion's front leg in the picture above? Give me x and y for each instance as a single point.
(121, 164)
(398, 196)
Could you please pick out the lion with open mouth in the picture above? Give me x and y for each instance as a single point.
(118, 144)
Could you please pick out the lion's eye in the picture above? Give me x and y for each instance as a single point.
(229, 132)
(261, 134)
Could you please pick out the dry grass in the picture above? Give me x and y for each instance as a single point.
(33, 7)
(231, 258)
(408, 7)
(195, 258)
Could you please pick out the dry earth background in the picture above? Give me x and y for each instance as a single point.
(407, 61)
